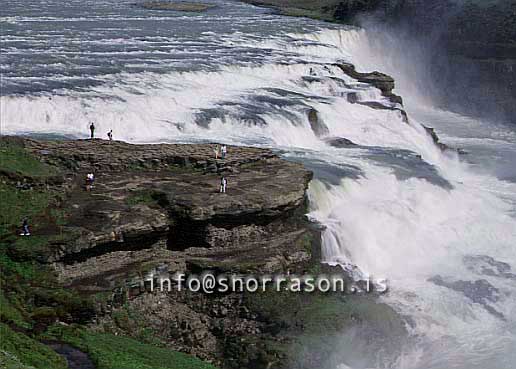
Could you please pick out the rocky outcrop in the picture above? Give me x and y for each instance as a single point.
(318, 127)
(435, 138)
(149, 196)
(340, 142)
(156, 210)
(468, 45)
(381, 81)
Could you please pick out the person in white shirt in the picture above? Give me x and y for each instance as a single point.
(223, 184)
(90, 178)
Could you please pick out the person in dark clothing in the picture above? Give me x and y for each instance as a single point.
(110, 135)
(25, 227)
(92, 129)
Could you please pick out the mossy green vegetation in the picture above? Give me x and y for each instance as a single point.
(115, 352)
(10, 312)
(30, 297)
(18, 350)
(321, 312)
(32, 300)
(15, 160)
(17, 204)
(318, 322)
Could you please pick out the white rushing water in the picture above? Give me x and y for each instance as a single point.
(441, 230)
(412, 231)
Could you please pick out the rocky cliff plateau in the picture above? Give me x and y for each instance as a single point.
(157, 209)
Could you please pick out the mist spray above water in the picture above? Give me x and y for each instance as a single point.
(463, 50)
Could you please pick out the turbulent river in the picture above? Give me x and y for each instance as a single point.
(441, 228)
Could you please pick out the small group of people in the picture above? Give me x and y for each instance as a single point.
(221, 151)
(313, 73)
(92, 132)
(90, 178)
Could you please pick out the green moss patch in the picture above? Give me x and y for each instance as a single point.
(316, 324)
(115, 352)
(17, 204)
(14, 159)
(30, 296)
(20, 351)
(11, 312)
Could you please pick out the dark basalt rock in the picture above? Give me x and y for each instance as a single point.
(435, 138)
(156, 210)
(379, 80)
(395, 100)
(145, 194)
(340, 142)
(345, 11)
(317, 125)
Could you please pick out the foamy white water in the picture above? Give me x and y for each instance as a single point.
(440, 229)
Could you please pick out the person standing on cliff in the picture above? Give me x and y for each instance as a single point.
(216, 150)
(223, 184)
(25, 227)
(92, 130)
(90, 178)
(110, 135)
(223, 151)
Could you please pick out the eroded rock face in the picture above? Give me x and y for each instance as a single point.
(166, 197)
(431, 132)
(149, 194)
(318, 127)
(381, 81)
(156, 210)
